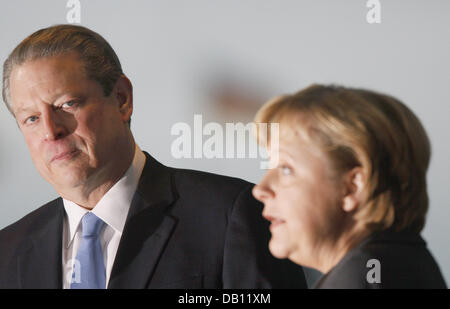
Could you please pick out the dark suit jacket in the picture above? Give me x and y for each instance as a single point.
(405, 262)
(185, 229)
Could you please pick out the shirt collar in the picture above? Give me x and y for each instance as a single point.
(114, 205)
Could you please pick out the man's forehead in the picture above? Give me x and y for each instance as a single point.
(62, 63)
(49, 77)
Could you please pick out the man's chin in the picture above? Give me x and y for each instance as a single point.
(66, 177)
(69, 182)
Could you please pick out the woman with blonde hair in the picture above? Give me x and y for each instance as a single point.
(348, 195)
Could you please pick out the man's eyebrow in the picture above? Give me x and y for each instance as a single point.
(22, 109)
(55, 98)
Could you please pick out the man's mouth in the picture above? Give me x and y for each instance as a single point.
(64, 155)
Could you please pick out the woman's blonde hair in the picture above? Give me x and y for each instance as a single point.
(357, 127)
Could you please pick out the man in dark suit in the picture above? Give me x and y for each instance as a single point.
(123, 220)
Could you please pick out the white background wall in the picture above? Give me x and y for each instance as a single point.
(175, 51)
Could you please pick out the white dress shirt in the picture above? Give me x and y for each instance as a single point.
(112, 209)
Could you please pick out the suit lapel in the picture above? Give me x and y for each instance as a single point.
(40, 263)
(147, 229)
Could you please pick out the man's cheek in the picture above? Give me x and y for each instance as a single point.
(34, 150)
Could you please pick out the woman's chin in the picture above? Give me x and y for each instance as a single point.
(278, 250)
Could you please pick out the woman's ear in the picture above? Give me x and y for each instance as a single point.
(353, 188)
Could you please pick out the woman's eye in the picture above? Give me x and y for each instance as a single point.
(285, 170)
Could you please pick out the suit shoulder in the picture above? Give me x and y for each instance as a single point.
(29, 223)
(186, 179)
(349, 273)
(396, 264)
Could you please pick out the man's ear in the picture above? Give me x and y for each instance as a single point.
(123, 91)
(353, 189)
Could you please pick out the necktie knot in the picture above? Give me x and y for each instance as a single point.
(91, 225)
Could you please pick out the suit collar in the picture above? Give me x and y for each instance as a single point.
(390, 236)
(385, 237)
(39, 263)
(155, 185)
(147, 229)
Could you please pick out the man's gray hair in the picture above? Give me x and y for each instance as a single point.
(99, 59)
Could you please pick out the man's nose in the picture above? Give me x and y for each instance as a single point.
(53, 126)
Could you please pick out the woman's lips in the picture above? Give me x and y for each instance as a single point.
(274, 222)
(64, 155)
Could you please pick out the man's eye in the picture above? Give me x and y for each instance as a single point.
(31, 119)
(69, 104)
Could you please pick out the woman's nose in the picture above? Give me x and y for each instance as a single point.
(262, 192)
